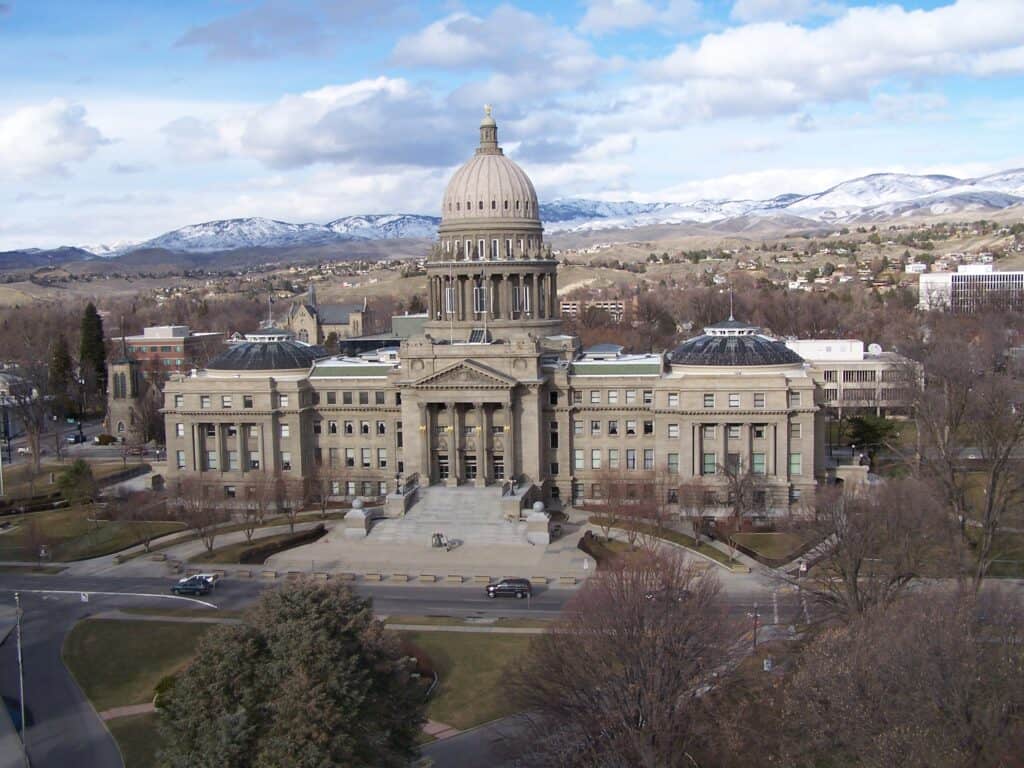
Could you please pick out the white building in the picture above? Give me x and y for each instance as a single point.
(969, 287)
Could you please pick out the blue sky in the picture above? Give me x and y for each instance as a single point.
(122, 119)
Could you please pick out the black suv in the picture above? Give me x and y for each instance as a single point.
(519, 588)
(197, 585)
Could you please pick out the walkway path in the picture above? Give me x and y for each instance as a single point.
(129, 711)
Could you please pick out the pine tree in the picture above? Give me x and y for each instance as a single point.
(60, 373)
(93, 351)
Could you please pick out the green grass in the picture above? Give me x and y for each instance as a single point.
(471, 668)
(18, 482)
(233, 553)
(1008, 551)
(48, 570)
(118, 663)
(72, 536)
(138, 738)
(458, 621)
(676, 538)
(775, 546)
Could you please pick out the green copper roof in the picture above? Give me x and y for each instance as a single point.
(617, 369)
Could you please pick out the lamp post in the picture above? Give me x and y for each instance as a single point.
(21, 681)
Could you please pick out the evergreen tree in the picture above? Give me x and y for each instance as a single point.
(93, 352)
(308, 678)
(60, 373)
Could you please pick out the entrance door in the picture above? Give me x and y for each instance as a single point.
(499, 468)
(471, 467)
(442, 466)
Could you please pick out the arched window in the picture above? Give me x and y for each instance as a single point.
(120, 426)
(457, 206)
(481, 205)
(494, 205)
(506, 205)
(517, 205)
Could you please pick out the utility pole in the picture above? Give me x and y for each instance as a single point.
(21, 682)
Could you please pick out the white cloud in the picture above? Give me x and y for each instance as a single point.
(781, 67)
(195, 141)
(604, 16)
(782, 10)
(44, 139)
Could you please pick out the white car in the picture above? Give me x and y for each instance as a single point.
(26, 451)
(209, 578)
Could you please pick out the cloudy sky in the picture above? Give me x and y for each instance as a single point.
(120, 120)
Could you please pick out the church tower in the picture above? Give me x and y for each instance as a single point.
(490, 274)
(126, 393)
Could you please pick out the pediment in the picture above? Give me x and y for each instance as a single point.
(467, 373)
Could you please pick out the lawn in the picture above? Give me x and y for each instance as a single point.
(70, 535)
(18, 482)
(471, 668)
(1008, 555)
(138, 739)
(676, 538)
(234, 553)
(774, 546)
(118, 663)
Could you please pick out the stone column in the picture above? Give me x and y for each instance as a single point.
(553, 294)
(220, 447)
(509, 441)
(531, 433)
(700, 450)
(509, 296)
(240, 448)
(196, 462)
(481, 445)
(534, 295)
(425, 434)
(454, 455)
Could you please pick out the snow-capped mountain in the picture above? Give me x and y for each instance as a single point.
(869, 198)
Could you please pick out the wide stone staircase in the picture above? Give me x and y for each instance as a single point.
(465, 514)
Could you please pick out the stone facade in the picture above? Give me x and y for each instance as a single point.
(492, 393)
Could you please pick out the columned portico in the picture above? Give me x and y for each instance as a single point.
(467, 442)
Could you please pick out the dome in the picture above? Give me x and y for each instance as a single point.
(733, 343)
(267, 356)
(489, 185)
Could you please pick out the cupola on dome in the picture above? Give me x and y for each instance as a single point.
(489, 185)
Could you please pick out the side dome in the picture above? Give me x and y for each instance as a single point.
(733, 343)
(267, 356)
(489, 185)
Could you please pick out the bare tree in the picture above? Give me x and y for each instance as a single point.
(931, 682)
(618, 680)
(295, 496)
(322, 487)
(30, 404)
(874, 542)
(144, 511)
(693, 504)
(199, 511)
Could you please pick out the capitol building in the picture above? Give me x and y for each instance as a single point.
(491, 393)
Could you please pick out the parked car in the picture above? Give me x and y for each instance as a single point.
(192, 585)
(75, 438)
(665, 595)
(27, 451)
(518, 588)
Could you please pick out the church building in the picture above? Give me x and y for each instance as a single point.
(491, 390)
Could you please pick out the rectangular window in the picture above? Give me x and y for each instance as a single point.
(794, 399)
(795, 430)
(346, 398)
(595, 427)
(508, 249)
(479, 299)
(553, 434)
(254, 460)
(709, 464)
(613, 458)
(630, 397)
(577, 397)
(350, 457)
(673, 399)
(796, 464)
(648, 427)
(382, 458)
(794, 495)
(732, 461)
(552, 398)
(211, 460)
(630, 458)
(449, 299)
(232, 430)
(708, 431)
(554, 467)
(230, 492)
(333, 457)
(613, 427)
(758, 430)
(350, 487)
(332, 398)
(332, 427)
(233, 460)
(577, 427)
(179, 401)
(286, 430)
(364, 456)
(495, 255)
(180, 457)
(734, 400)
(759, 399)
(577, 458)
(317, 427)
(630, 427)
(595, 458)
(282, 401)
(709, 399)
(734, 431)
(673, 463)
(225, 401)
(286, 461)
(757, 463)
(364, 398)
(179, 430)
(378, 398)
(350, 428)
(613, 397)
(595, 397)
(211, 430)
(673, 430)
(254, 431)
(648, 397)
(204, 401)
(648, 458)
